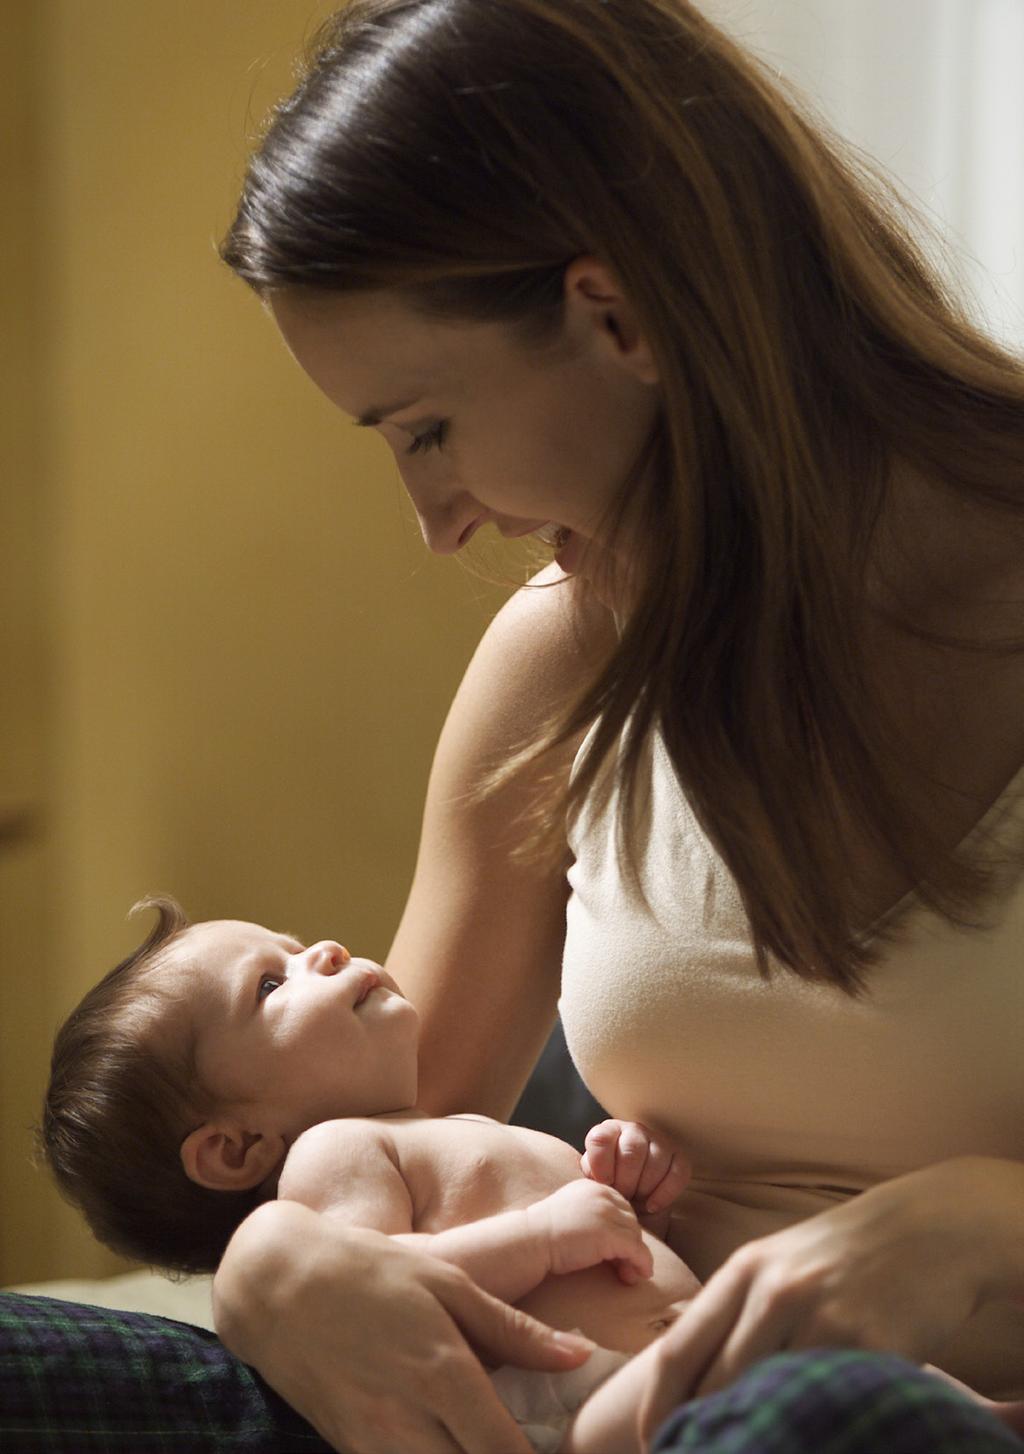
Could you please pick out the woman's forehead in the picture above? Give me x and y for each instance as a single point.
(370, 352)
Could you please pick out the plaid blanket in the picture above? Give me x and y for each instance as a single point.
(835, 1401)
(80, 1380)
(77, 1379)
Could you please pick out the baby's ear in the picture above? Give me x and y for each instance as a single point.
(225, 1158)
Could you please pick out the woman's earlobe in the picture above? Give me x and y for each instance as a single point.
(633, 350)
(227, 1158)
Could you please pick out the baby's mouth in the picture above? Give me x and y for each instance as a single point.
(370, 982)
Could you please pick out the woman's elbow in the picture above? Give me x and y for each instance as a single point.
(259, 1271)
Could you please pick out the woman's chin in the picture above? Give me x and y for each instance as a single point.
(570, 551)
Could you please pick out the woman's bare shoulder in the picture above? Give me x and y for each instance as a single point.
(539, 651)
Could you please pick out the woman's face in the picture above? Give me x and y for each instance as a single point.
(483, 428)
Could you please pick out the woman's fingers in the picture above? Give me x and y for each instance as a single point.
(443, 1402)
(758, 1332)
(463, 1398)
(367, 1338)
(503, 1334)
(688, 1351)
(470, 1418)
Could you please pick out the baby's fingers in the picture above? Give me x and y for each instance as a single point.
(636, 1266)
(630, 1158)
(598, 1160)
(665, 1176)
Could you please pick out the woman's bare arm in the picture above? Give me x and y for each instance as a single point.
(479, 947)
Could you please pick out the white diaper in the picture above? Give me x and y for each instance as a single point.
(542, 1404)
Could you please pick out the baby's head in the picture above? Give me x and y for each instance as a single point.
(181, 1080)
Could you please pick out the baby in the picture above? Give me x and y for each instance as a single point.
(222, 1064)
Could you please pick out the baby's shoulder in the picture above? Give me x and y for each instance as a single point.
(330, 1145)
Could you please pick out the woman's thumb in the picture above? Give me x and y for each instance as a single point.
(502, 1334)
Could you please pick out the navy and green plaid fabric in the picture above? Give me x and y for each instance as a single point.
(80, 1380)
(84, 1380)
(835, 1402)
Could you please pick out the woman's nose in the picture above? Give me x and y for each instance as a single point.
(447, 519)
(326, 957)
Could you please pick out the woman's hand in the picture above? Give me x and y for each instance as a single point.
(636, 1162)
(371, 1341)
(899, 1268)
(582, 1224)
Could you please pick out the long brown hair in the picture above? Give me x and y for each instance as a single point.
(463, 152)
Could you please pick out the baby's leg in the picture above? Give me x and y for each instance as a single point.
(608, 1422)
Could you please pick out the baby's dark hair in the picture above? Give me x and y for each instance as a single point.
(121, 1099)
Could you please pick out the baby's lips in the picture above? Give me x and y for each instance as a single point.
(370, 982)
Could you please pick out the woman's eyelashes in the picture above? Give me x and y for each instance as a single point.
(432, 438)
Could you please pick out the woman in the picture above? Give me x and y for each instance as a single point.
(592, 276)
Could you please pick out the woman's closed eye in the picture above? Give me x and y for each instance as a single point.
(268, 984)
(432, 438)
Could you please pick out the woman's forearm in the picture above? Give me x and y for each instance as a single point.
(262, 1264)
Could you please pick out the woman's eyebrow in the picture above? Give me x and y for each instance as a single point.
(373, 417)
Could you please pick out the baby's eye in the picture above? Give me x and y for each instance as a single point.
(432, 438)
(268, 984)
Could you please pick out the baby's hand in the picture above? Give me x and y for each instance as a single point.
(585, 1224)
(646, 1170)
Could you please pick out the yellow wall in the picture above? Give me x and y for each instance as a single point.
(232, 653)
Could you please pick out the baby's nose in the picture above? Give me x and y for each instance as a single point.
(327, 957)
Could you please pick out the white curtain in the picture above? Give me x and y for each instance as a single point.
(934, 89)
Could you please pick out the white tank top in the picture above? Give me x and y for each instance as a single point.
(788, 1095)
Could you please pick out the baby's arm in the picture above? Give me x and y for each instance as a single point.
(577, 1226)
(350, 1170)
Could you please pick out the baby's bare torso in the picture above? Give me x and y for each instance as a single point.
(461, 1168)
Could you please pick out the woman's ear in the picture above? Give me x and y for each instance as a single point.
(223, 1157)
(595, 300)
